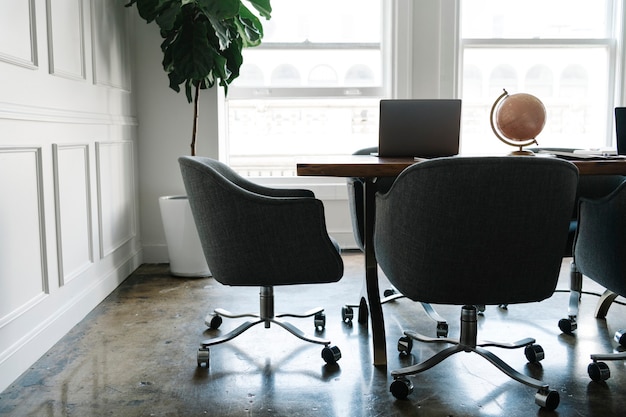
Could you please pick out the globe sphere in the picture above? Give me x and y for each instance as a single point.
(520, 117)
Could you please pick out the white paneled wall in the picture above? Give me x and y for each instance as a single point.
(68, 193)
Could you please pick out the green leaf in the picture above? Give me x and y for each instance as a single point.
(220, 9)
(222, 31)
(233, 60)
(168, 16)
(149, 10)
(249, 28)
(263, 7)
(192, 54)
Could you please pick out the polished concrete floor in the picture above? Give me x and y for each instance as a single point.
(135, 355)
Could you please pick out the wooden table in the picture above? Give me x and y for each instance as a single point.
(371, 167)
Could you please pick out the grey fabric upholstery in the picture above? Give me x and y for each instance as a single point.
(600, 244)
(589, 186)
(475, 231)
(600, 254)
(258, 236)
(488, 230)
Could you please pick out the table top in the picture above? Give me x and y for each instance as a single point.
(373, 166)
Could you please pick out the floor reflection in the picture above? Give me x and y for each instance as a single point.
(135, 355)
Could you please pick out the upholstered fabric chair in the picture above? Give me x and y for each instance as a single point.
(475, 231)
(589, 187)
(258, 236)
(600, 254)
(355, 200)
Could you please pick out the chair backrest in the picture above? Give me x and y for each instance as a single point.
(258, 236)
(485, 230)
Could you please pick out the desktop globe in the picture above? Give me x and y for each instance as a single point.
(517, 120)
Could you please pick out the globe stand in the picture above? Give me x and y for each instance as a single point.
(522, 152)
(520, 144)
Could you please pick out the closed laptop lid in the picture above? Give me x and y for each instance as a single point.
(424, 128)
(620, 128)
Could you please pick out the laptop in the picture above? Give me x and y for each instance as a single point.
(620, 128)
(423, 128)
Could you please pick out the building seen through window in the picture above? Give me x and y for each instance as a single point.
(313, 86)
(564, 55)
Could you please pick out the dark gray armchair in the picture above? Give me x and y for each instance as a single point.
(259, 236)
(475, 231)
(355, 200)
(589, 187)
(600, 254)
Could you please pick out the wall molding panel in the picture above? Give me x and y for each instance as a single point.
(66, 38)
(110, 32)
(68, 212)
(18, 33)
(73, 210)
(11, 111)
(21, 216)
(115, 187)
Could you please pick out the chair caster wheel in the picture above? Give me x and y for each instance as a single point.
(549, 399)
(442, 329)
(320, 321)
(215, 322)
(203, 358)
(480, 308)
(503, 306)
(389, 292)
(598, 371)
(405, 345)
(534, 353)
(401, 388)
(347, 314)
(567, 326)
(331, 354)
(620, 337)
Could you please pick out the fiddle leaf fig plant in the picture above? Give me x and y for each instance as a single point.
(203, 41)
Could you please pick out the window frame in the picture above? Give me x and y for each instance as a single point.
(389, 15)
(613, 40)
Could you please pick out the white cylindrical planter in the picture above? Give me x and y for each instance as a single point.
(183, 244)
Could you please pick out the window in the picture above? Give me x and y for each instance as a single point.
(311, 88)
(562, 51)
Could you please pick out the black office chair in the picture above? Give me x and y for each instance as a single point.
(259, 236)
(600, 254)
(475, 231)
(589, 187)
(355, 200)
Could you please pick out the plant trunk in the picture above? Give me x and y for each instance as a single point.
(194, 131)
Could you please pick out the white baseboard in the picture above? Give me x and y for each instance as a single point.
(34, 344)
(155, 254)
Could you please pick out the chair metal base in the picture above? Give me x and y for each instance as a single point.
(569, 325)
(330, 354)
(347, 312)
(468, 342)
(597, 370)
